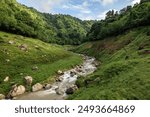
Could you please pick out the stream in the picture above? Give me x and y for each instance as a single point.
(58, 89)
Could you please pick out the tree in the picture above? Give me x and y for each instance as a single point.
(110, 14)
(142, 1)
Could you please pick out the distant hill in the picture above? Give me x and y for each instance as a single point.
(61, 29)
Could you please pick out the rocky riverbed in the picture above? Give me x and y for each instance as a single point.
(65, 83)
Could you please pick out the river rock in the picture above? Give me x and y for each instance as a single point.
(75, 87)
(59, 92)
(6, 79)
(2, 96)
(47, 86)
(59, 79)
(29, 80)
(71, 89)
(96, 63)
(72, 73)
(78, 70)
(37, 87)
(55, 87)
(17, 90)
(59, 72)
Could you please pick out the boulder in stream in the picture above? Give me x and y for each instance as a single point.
(47, 86)
(69, 91)
(72, 73)
(59, 92)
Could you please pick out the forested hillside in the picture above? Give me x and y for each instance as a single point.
(120, 21)
(61, 29)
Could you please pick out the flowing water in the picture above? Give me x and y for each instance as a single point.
(58, 89)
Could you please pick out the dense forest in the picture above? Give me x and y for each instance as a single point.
(61, 29)
(118, 22)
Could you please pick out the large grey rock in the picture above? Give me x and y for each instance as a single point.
(2, 96)
(37, 87)
(29, 80)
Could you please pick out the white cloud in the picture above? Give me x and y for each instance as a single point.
(135, 1)
(85, 4)
(99, 16)
(105, 2)
(46, 5)
(102, 15)
(85, 17)
(83, 8)
(86, 10)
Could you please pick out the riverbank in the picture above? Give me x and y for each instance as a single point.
(66, 84)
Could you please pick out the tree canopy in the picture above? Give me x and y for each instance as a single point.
(117, 23)
(61, 29)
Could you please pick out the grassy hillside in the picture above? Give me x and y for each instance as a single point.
(61, 29)
(19, 55)
(124, 71)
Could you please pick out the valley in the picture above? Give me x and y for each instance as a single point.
(46, 56)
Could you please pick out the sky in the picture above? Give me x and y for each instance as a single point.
(83, 9)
